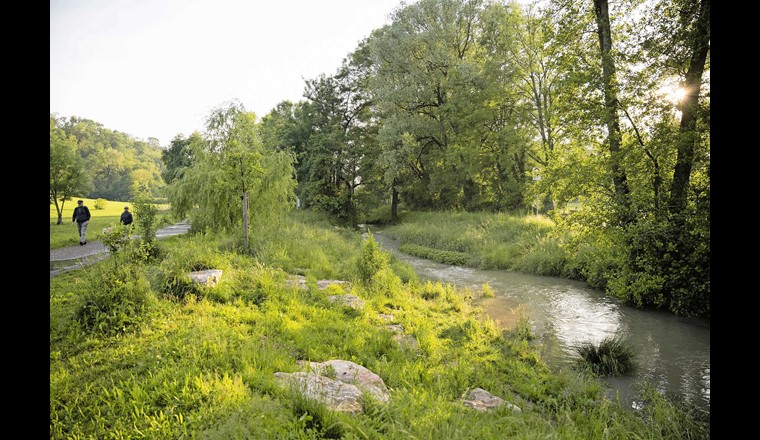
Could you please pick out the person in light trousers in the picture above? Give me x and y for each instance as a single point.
(82, 218)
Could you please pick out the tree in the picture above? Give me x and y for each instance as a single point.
(698, 42)
(178, 157)
(67, 176)
(428, 82)
(230, 166)
(611, 117)
(340, 135)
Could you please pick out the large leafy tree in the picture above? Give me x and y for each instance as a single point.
(341, 134)
(179, 156)
(67, 174)
(429, 90)
(232, 172)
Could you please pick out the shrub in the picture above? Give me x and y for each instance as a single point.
(146, 223)
(100, 204)
(372, 259)
(117, 300)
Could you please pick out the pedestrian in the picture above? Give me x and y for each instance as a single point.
(126, 219)
(82, 218)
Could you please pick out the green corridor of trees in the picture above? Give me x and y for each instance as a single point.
(479, 106)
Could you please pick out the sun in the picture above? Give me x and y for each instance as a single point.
(674, 94)
(679, 94)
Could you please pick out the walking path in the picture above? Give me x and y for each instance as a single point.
(94, 251)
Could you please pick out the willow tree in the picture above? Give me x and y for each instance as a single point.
(230, 167)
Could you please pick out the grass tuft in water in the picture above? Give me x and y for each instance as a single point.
(612, 357)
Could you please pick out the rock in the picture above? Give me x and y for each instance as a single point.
(323, 284)
(386, 317)
(351, 301)
(482, 400)
(207, 278)
(395, 328)
(407, 340)
(297, 281)
(335, 394)
(355, 374)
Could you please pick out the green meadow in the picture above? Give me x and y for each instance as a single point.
(137, 350)
(106, 214)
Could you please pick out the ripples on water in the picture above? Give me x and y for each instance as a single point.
(672, 353)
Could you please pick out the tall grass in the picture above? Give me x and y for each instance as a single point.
(202, 364)
(482, 240)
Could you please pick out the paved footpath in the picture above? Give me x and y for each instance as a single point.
(94, 251)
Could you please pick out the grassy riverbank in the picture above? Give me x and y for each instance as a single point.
(483, 240)
(137, 351)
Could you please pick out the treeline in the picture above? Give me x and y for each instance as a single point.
(485, 105)
(108, 164)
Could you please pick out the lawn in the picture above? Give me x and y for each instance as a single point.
(65, 234)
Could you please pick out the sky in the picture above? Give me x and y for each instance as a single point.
(156, 68)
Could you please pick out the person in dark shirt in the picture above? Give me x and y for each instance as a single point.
(82, 218)
(126, 219)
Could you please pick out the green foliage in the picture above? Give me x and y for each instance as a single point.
(146, 224)
(611, 357)
(231, 166)
(115, 238)
(205, 367)
(100, 204)
(116, 300)
(196, 254)
(117, 164)
(446, 257)
(67, 170)
(373, 259)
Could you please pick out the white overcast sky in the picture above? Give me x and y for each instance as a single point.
(155, 68)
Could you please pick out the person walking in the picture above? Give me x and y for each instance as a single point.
(82, 217)
(126, 219)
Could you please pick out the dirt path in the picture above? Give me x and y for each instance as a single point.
(74, 257)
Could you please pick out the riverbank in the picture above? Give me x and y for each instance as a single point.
(163, 358)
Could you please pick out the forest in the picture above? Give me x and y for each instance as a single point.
(595, 114)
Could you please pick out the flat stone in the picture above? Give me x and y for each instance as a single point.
(323, 284)
(351, 301)
(207, 278)
(482, 400)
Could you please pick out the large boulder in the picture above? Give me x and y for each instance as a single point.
(335, 394)
(355, 374)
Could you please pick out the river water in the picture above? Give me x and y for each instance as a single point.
(672, 353)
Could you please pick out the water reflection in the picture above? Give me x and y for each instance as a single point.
(672, 353)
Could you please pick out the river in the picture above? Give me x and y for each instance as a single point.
(672, 353)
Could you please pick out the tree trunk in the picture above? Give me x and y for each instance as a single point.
(394, 205)
(245, 220)
(687, 138)
(619, 180)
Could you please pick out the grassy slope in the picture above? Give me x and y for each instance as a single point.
(203, 366)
